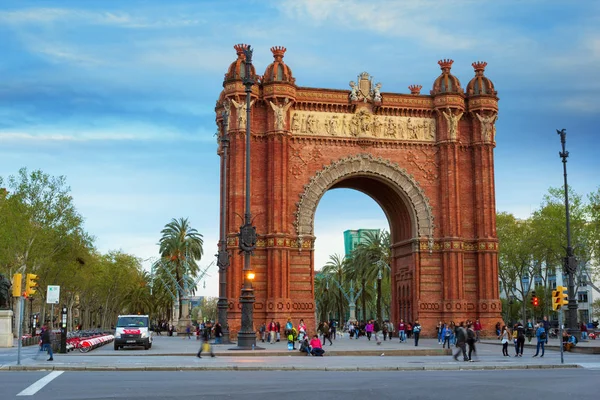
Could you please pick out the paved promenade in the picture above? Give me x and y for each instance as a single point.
(177, 353)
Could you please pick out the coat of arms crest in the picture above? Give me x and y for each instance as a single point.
(365, 90)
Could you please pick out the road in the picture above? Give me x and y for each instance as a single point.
(489, 385)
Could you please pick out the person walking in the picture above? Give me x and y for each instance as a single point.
(377, 330)
(326, 331)
(471, 339)
(546, 325)
(504, 338)
(218, 333)
(439, 328)
(263, 332)
(416, 332)
(205, 345)
(369, 329)
(278, 331)
(541, 336)
(477, 328)
(47, 342)
(402, 331)
(461, 340)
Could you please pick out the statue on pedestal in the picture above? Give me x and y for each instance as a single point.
(4, 293)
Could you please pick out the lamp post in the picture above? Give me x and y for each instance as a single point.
(223, 255)
(570, 262)
(247, 235)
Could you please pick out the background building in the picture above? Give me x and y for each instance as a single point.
(353, 238)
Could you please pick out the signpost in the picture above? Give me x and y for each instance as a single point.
(52, 297)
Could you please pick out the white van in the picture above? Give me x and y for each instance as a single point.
(133, 330)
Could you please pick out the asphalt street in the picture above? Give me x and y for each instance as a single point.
(133, 385)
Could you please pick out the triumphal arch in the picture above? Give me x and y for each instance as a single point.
(426, 159)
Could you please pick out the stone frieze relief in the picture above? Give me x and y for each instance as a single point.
(362, 124)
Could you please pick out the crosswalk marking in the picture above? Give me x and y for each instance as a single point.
(36, 386)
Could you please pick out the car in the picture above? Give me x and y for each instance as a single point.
(133, 330)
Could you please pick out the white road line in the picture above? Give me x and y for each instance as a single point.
(36, 386)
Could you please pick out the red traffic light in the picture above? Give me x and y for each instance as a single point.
(536, 302)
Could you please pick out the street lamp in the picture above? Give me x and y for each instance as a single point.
(247, 235)
(570, 262)
(223, 255)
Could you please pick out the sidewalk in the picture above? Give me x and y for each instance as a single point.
(175, 353)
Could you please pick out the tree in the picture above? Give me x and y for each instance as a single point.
(335, 268)
(515, 257)
(180, 250)
(371, 261)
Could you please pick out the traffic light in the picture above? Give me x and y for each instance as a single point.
(16, 286)
(560, 298)
(31, 284)
(536, 301)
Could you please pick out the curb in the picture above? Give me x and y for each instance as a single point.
(288, 368)
(296, 353)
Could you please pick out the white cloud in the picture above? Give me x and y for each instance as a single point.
(131, 133)
(79, 17)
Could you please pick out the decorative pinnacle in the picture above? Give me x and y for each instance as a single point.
(278, 52)
(239, 48)
(415, 89)
(479, 66)
(446, 64)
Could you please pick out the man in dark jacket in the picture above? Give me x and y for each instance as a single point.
(46, 342)
(461, 341)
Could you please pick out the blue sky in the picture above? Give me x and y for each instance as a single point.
(119, 96)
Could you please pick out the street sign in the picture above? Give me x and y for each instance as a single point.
(52, 294)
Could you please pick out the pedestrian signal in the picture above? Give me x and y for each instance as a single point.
(559, 298)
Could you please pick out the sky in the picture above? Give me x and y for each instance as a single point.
(119, 96)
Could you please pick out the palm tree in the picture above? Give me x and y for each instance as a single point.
(335, 267)
(180, 250)
(371, 264)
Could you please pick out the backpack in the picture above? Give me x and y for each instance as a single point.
(417, 328)
(543, 335)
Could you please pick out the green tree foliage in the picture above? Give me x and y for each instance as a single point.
(41, 232)
(367, 262)
(180, 250)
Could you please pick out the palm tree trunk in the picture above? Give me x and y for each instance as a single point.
(379, 315)
(364, 302)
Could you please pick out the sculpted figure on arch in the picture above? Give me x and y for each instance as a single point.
(452, 122)
(241, 110)
(280, 113)
(488, 130)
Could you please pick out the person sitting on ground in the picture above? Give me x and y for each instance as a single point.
(570, 342)
(316, 347)
(305, 346)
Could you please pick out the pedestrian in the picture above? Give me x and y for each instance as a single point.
(316, 347)
(541, 336)
(498, 330)
(584, 331)
(461, 339)
(452, 333)
(471, 338)
(546, 324)
(333, 329)
(409, 328)
(188, 331)
(47, 342)
(402, 330)
(446, 333)
(416, 329)
(520, 339)
(272, 331)
(218, 333)
(504, 338)
(305, 346)
(278, 331)
(477, 328)
(326, 332)
(438, 328)
(369, 329)
(263, 332)
(205, 346)
(377, 330)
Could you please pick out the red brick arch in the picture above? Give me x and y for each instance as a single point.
(427, 160)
